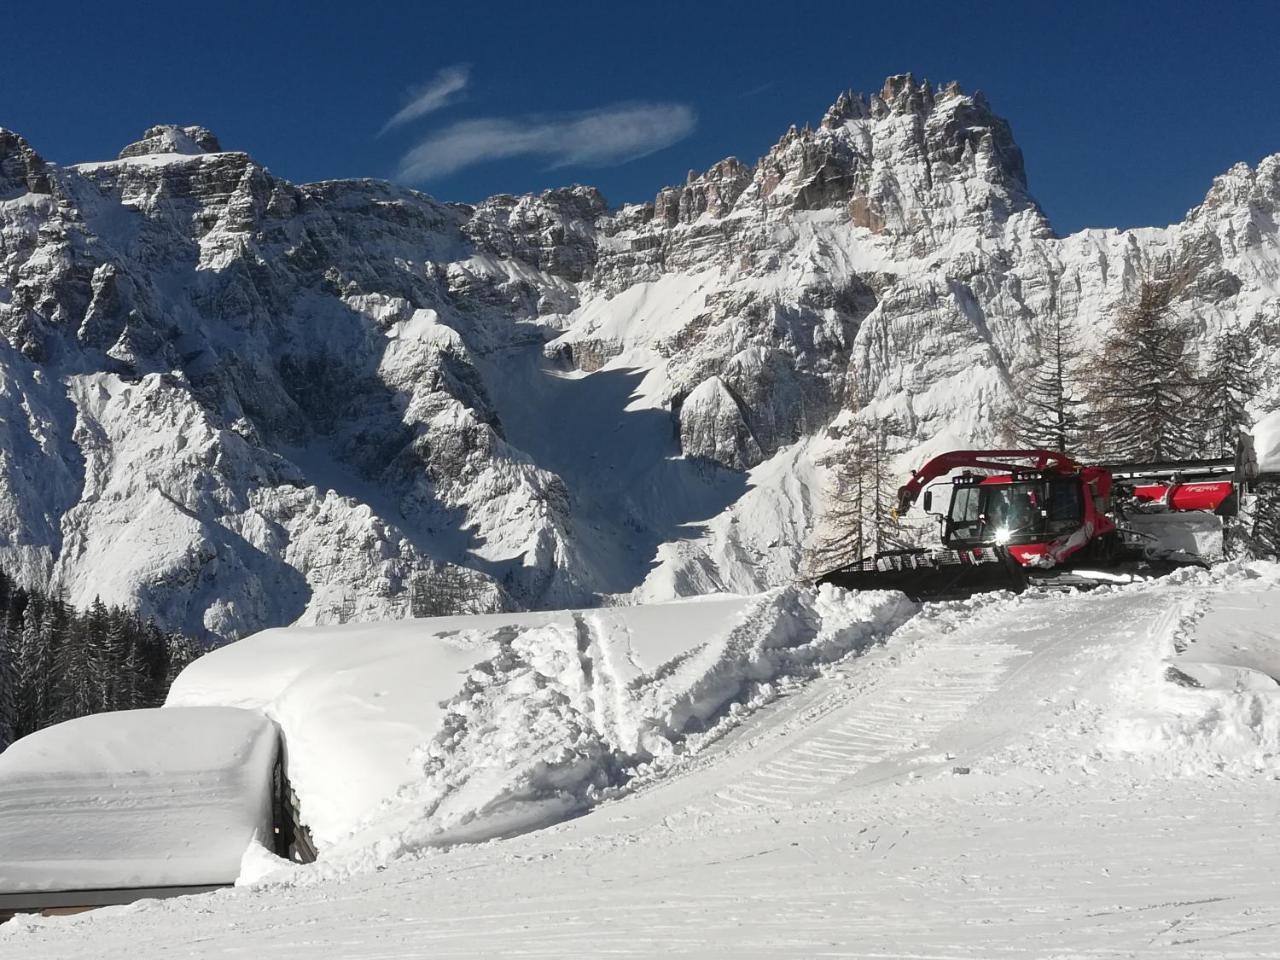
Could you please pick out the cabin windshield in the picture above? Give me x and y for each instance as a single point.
(1018, 512)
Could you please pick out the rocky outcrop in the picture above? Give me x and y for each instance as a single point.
(714, 427)
(22, 170)
(914, 169)
(712, 193)
(171, 138)
(553, 232)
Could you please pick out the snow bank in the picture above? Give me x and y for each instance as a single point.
(1204, 695)
(1266, 442)
(139, 798)
(427, 732)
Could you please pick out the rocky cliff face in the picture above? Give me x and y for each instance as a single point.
(236, 402)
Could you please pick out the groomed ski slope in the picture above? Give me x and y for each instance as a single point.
(1005, 778)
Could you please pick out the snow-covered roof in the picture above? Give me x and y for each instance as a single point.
(137, 798)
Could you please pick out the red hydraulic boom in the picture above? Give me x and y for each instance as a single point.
(944, 463)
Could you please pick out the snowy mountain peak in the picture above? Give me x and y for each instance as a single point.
(848, 106)
(901, 94)
(171, 138)
(553, 231)
(905, 162)
(1255, 188)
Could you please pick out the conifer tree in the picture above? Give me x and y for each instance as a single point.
(886, 446)
(857, 519)
(77, 687)
(9, 699)
(843, 524)
(1230, 382)
(37, 667)
(1143, 384)
(1049, 409)
(57, 664)
(92, 630)
(125, 665)
(154, 651)
(9, 647)
(179, 653)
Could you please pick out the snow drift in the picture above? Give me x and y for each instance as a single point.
(418, 733)
(1202, 695)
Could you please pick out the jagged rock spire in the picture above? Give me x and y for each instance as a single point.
(847, 107)
(22, 170)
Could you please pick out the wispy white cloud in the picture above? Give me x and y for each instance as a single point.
(439, 91)
(601, 137)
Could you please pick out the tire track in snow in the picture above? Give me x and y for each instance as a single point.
(935, 674)
(893, 718)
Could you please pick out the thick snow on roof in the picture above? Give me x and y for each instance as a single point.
(412, 733)
(138, 798)
(353, 701)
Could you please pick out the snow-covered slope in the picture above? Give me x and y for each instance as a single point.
(235, 402)
(1039, 776)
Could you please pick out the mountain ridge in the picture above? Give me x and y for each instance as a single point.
(235, 402)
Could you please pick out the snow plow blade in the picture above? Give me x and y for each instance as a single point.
(933, 574)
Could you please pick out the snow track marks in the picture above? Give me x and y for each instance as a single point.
(921, 702)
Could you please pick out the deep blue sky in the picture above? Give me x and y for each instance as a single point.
(1124, 110)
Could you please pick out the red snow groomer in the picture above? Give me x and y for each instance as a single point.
(1037, 517)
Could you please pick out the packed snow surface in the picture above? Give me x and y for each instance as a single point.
(138, 798)
(1052, 775)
